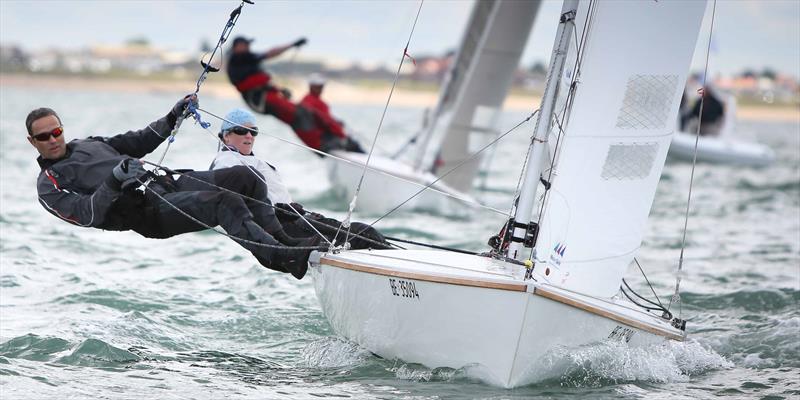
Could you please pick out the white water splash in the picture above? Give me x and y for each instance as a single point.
(617, 362)
(333, 353)
(419, 373)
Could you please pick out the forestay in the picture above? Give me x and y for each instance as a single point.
(478, 81)
(633, 66)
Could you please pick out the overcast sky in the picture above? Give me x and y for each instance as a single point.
(747, 33)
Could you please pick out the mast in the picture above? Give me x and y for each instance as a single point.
(482, 13)
(523, 216)
(477, 83)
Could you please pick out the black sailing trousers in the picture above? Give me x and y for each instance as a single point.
(191, 193)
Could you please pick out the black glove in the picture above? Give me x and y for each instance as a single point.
(300, 42)
(129, 168)
(286, 93)
(181, 105)
(284, 238)
(286, 212)
(299, 208)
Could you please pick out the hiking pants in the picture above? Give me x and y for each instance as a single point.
(239, 217)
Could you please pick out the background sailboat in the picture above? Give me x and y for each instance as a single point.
(464, 120)
(725, 148)
(613, 92)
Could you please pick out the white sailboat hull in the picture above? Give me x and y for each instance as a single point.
(720, 150)
(462, 311)
(388, 183)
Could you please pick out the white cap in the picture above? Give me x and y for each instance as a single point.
(316, 79)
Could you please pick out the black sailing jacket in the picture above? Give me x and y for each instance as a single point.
(80, 188)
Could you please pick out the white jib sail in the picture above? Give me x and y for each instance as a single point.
(471, 101)
(635, 60)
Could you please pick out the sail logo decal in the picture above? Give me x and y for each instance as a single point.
(558, 253)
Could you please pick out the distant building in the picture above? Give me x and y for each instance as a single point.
(432, 68)
(13, 59)
(141, 59)
(765, 87)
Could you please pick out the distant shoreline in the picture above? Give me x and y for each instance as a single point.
(335, 93)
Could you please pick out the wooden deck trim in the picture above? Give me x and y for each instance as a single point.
(603, 313)
(514, 287)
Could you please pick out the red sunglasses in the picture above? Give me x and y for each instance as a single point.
(45, 136)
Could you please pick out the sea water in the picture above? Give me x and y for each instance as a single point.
(91, 314)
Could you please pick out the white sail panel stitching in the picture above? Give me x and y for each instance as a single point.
(647, 102)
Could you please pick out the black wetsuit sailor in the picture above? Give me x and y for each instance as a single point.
(92, 183)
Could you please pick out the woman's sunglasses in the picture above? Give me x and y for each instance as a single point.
(45, 136)
(238, 130)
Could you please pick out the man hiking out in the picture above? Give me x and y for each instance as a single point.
(264, 96)
(334, 138)
(94, 182)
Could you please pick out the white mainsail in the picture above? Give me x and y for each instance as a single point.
(634, 62)
(470, 102)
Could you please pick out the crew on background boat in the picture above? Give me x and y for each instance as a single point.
(712, 116)
(95, 182)
(330, 139)
(238, 132)
(263, 96)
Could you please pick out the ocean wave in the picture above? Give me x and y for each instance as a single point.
(772, 343)
(88, 353)
(33, 347)
(111, 299)
(769, 185)
(772, 300)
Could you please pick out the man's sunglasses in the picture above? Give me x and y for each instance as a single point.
(238, 130)
(45, 136)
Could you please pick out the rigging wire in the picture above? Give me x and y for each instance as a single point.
(352, 206)
(517, 190)
(226, 31)
(564, 111)
(263, 179)
(466, 160)
(665, 313)
(648, 281)
(660, 306)
(676, 297)
(267, 204)
(425, 187)
(432, 246)
(190, 108)
(387, 174)
(580, 47)
(522, 173)
(206, 226)
(207, 67)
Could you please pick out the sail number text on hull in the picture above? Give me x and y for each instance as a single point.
(403, 288)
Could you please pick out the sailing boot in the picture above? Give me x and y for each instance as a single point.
(294, 260)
